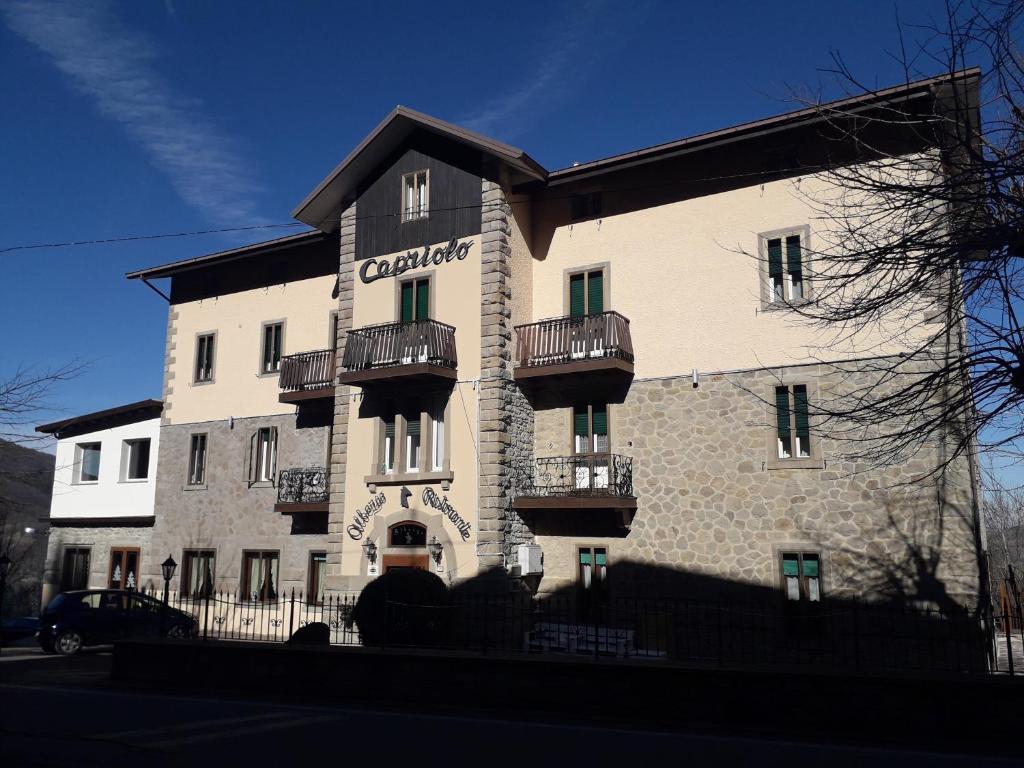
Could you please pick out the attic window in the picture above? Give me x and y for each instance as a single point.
(414, 196)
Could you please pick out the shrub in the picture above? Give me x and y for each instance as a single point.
(404, 607)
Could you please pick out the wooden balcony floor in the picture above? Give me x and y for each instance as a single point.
(399, 373)
(302, 395)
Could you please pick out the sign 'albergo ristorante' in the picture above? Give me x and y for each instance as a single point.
(375, 269)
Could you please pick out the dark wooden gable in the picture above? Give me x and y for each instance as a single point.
(454, 198)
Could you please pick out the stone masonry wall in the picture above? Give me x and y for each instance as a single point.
(710, 505)
(227, 514)
(339, 431)
(100, 541)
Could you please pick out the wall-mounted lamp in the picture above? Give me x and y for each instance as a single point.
(370, 550)
(435, 549)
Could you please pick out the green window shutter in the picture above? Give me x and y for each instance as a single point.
(577, 302)
(600, 420)
(774, 257)
(794, 258)
(412, 426)
(584, 557)
(599, 557)
(811, 566)
(782, 410)
(389, 428)
(800, 408)
(407, 306)
(595, 293)
(790, 565)
(422, 299)
(579, 422)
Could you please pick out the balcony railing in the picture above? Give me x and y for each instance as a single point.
(593, 475)
(303, 485)
(564, 340)
(307, 370)
(395, 344)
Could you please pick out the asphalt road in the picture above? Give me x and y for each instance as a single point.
(66, 712)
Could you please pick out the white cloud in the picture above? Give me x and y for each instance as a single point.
(114, 66)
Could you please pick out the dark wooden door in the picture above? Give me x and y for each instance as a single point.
(414, 562)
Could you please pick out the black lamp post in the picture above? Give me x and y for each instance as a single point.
(436, 549)
(5, 566)
(370, 550)
(168, 566)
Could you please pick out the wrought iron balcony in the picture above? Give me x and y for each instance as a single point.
(568, 346)
(391, 352)
(307, 375)
(303, 489)
(582, 481)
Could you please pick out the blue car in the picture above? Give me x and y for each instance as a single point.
(73, 620)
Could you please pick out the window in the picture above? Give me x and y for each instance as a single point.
(197, 571)
(590, 428)
(388, 463)
(263, 455)
(437, 438)
(75, 570)
(414, 196)
(317, 575)
(204, 357)
(792, 422)
(87, 457)
(786, 267)
(273, 336)
(412, 443)
(415, 300)
(592, 581)
(586, 206)
(801, 576)
(135, 459)
(259, 575)
(197, 460)
(407, 535)
(586, 293)
(124, 568)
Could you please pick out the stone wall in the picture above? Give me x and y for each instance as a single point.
(100, 541)
(342, 398)
(710, 505)
(227, 514)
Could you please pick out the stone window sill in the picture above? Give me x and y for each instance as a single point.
(400, 478)
(809, 463)
(262, 484)
(199, 487)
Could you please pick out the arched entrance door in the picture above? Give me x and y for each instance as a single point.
(407, 547)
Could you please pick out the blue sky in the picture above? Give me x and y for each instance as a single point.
(154, 117)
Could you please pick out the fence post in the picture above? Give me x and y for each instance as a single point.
(1009, 646)
(206, 615)
(291, 613)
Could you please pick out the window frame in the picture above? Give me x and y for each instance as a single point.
(593, 602)
(262, 370)
(190, 480)
(127, 450)
(815, 459)
(262, 554)
(196, 381)
(255, 464)
(78, 549)
(590, 429)
(424, 206)
(605, 267)
(313, 583)
(800, 550)
(80, 462)
(429, 278)
(124, 552)
(187, 555)
(401, 473)
(767, 294)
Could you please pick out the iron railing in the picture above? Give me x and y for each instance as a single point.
(303, 485)
(308, 370)
(574, 339)
(583, 474)
(828, 635)
(391, 344)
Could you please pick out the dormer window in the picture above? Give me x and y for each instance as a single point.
(414, 196)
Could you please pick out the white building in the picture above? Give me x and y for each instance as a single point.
(104, 485)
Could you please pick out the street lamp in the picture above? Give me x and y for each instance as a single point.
(5, 567)
(168, 566)
(436, 549)
(370, 550)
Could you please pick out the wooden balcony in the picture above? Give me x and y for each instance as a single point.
(595, 486)
(302, 489)
(307, 376)
(421, 351)
(567, 351)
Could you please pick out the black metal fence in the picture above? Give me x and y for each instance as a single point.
(582, 474)
(303, 485)
(829, 635)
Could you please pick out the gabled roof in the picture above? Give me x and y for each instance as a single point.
(111, 417)
(322, 207)
(255, 249)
